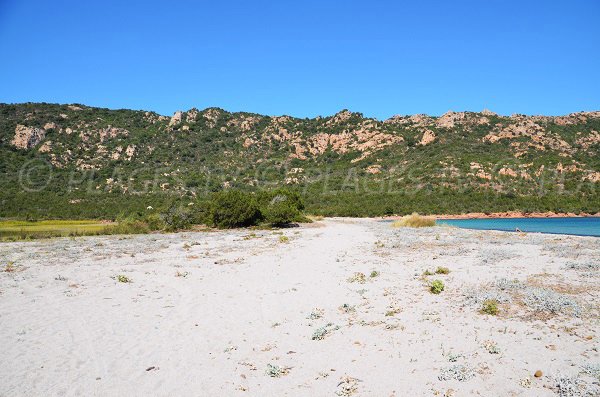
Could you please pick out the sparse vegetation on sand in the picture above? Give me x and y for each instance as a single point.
(358, 277)
(439, 270)
(490, 306)
(276, 371)
(324, 331)
(123, 278)
(436, 287)
(457, 372)
(414, 220)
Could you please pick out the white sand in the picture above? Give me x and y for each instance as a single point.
(244, 304)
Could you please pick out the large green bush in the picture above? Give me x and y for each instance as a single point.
(280, 206)
(177, 217)
(234, 208)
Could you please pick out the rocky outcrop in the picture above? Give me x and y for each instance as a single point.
(27, 137)
(428, 137)
(176, 119)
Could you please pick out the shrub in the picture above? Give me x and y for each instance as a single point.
(437, 286)
(414, 220)
(177, 217)
(358, 277)
(128, 226)
(123, 279)
(234, 208)
(200, 212)
(275, 371)
(284, 239)
(280, 207)
(442, 270)
(490, 306)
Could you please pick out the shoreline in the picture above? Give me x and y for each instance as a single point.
(505, 215)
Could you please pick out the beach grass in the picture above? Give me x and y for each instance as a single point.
(414, 220)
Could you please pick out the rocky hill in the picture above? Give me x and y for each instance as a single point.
(75, 160)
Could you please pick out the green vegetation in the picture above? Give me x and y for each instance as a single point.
(24, 230)
(234, 208)
(436, 287)
(439, 270)
(490, 306)
(101, 164)
(123, 279)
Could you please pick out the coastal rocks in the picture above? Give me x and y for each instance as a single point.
(27, 137)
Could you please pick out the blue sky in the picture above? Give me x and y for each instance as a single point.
(304, 58)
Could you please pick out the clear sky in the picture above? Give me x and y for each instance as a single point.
(304, 58)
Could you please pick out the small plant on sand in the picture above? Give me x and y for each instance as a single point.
(358, 277)
(414, 220)
(346, 308)
(592, 370)
(275, 371)
(181, 274)
(123, 279)
(548, 301)
(284, 239)
(250, 236)
(458, 372)
(322, 332)
(491, 347)
(374, 273)
(428, 273)
(442, 270)
(573, 386)
(437, 286)
(10, 267)
(315, 314)
(347, 386)
(490, 306)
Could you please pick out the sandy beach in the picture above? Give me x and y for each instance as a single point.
(338, 307)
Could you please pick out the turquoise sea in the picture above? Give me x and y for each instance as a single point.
(588, 226)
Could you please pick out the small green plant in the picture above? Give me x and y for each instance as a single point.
(322, 332)
(427, 273)
(346, 308)
(358, 277)
(315, 314)
(10, 267)
(442, 270)
(437, 286)
(490, 306)
(374, 274)
(123, 279)
(491, 347)
(275, 371)
(284, 239)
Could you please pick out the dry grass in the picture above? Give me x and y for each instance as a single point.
(414, 220)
